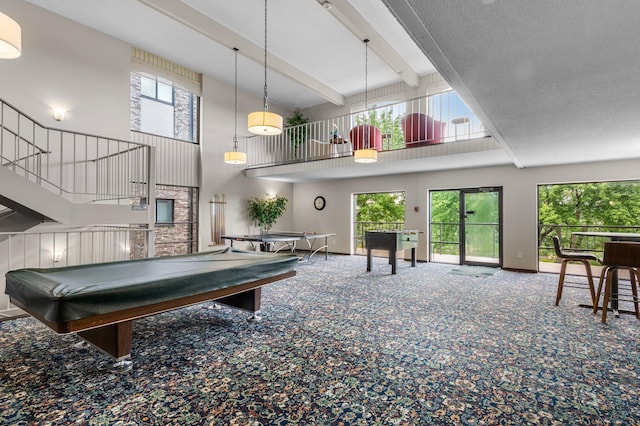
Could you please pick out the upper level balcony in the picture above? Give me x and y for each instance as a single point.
(429, 133)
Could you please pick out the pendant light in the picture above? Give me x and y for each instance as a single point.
(265, 122)
(366, 155)
(235, 156)
(10, 38)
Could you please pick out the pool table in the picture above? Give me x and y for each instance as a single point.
(99, 302)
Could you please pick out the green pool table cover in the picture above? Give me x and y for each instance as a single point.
(76, 292)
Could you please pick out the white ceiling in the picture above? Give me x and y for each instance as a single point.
(554, 81)
(313, 58)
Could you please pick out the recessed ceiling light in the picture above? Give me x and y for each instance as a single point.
(327, 5)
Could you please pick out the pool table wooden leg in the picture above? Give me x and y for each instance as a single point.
(247, 300)
(114, 339)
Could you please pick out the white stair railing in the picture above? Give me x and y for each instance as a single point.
(68, 247)
(77, 166)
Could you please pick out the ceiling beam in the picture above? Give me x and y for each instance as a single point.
(360, 27)
(217, 32)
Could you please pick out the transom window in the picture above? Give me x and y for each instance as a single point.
(156, 88)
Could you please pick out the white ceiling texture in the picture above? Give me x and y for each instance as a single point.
(554, 81)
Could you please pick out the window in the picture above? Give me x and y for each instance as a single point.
(162, 107)
(377, 211)
(161, 90)
(176, 230)
(164, 211)
(565, 208)
(386, 117)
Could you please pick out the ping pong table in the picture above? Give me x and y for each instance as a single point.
(278, 240)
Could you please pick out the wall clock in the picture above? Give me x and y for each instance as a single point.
(319, 202)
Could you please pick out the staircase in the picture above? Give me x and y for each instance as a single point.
(70, 177)
(72, 180)
(27, 197)
(17, 217)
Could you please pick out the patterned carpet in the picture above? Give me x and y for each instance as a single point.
(340, 346)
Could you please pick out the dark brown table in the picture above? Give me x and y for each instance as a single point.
(391, 241)
(613, 236)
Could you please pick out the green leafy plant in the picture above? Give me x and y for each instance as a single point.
(266, 211)
(296, 132)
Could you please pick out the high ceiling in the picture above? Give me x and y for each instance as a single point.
(554, 81)
(313, 56)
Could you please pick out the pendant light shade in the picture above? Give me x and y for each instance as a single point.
(10, 38)
(366, 154)
(265, 122)
(235, 156)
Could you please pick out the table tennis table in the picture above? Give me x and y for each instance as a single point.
(288, 240)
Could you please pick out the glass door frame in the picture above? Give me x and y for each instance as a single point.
(463, 213)
(461, 258)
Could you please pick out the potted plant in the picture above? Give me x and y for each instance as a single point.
(266, 211)
(296, 132)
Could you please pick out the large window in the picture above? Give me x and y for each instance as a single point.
(589, 206)
(377, 211)
(385, 115)
(162, 107)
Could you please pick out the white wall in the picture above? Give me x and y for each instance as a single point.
(64, 63)
(221, 178)
(519, 197)
(68, 65)
(89, 73)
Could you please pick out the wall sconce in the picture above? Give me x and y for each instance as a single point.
(58, 114)
(58, 255)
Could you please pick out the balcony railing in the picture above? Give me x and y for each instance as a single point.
(428, 120)
(362, 228)
(76, 166)
(576, 242)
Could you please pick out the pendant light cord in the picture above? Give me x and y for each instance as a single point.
(366, 73)
(235, 128)
(266, 106)
(366, 91)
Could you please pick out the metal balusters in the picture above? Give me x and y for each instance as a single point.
(441, 115)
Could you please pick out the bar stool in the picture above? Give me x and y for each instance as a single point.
(568, 257)
(618, 255)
